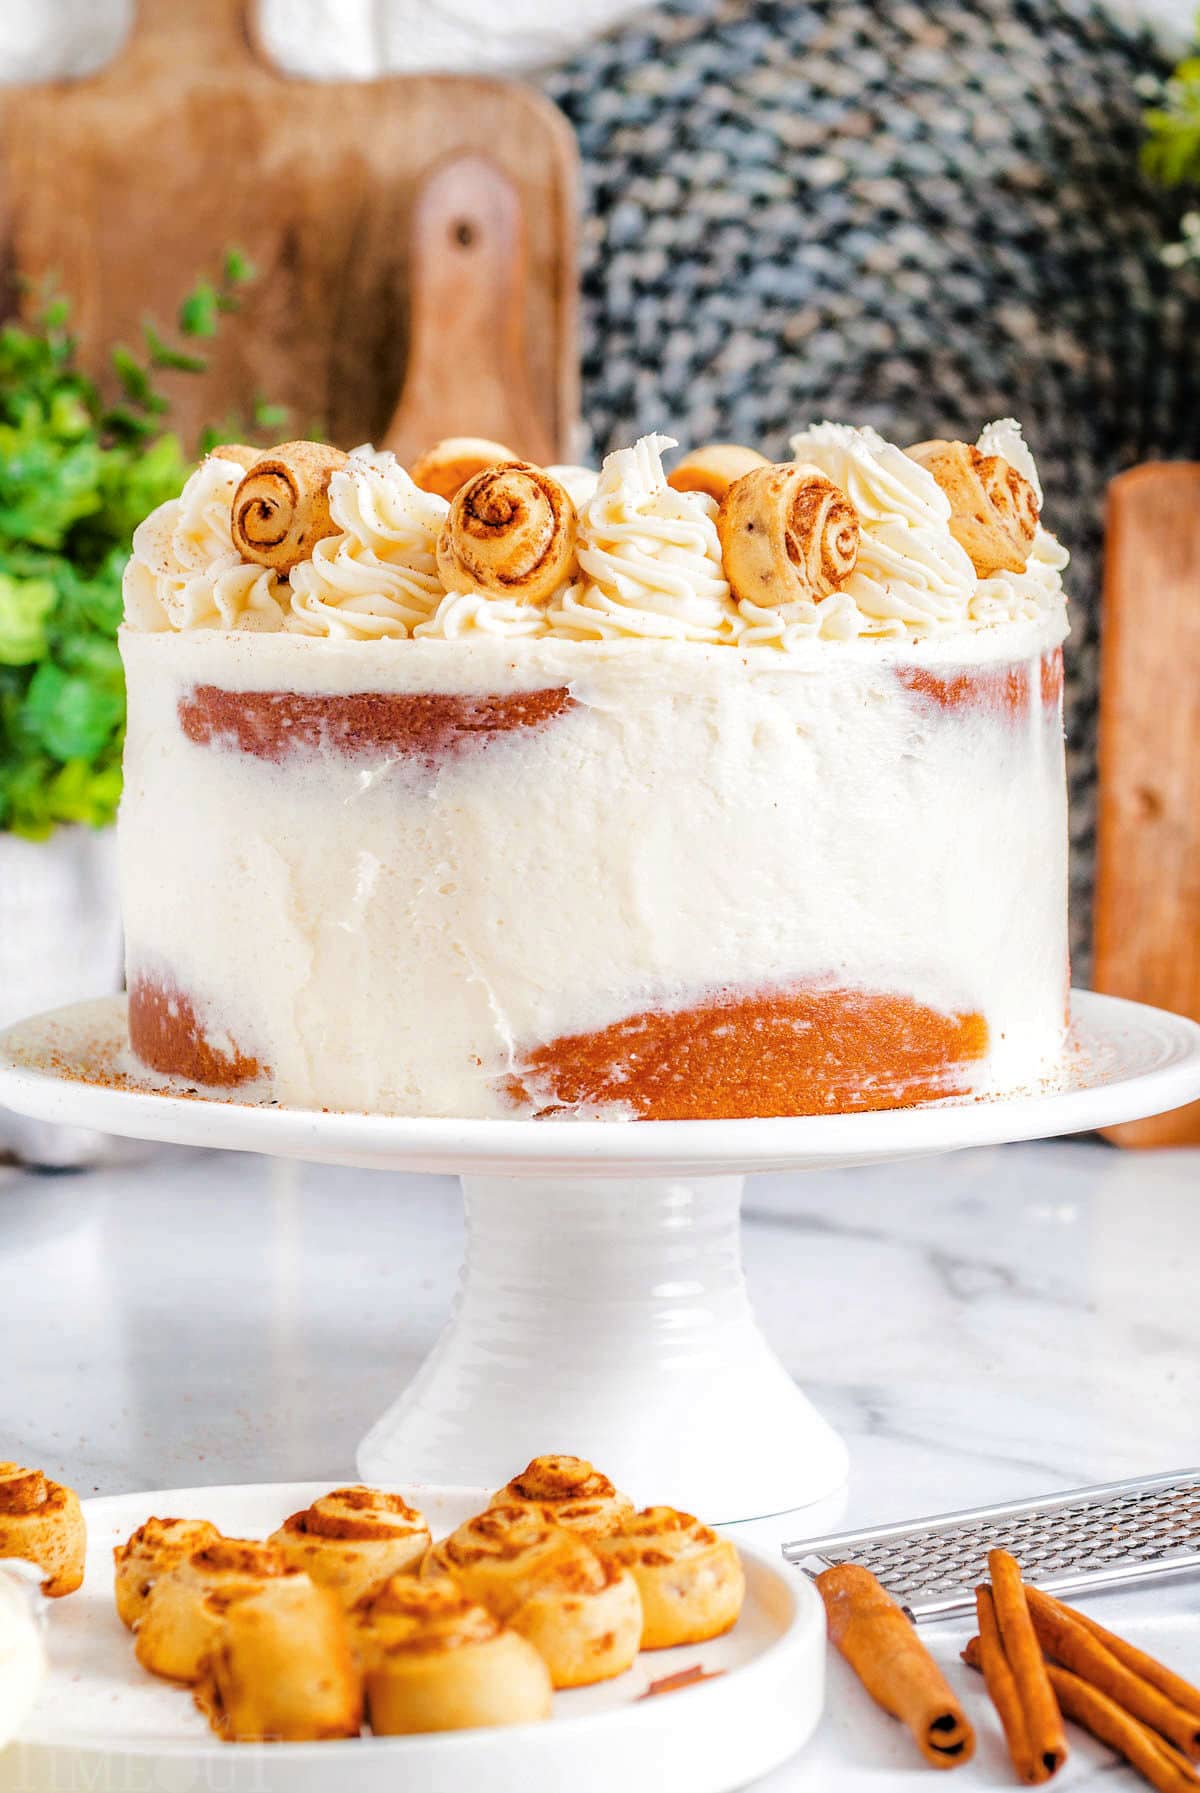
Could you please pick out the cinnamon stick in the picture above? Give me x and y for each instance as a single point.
(1004, 1692)
(881, 1645)
(1157, 1761)
(1074, 1646)
(1181, 1692)
(1043, 1720)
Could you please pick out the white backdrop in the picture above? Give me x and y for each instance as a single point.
(339, 38)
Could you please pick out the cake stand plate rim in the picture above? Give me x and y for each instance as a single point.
(760, 1686)
(1130, 1061)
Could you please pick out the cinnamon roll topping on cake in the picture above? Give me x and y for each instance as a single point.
(448, 465)
(786, 532)
(569, 1491)
(353, 1539)
(714, 468)
(993, 508)
(41, 1522)
(510, 532)
(281, 508)
(689, 807)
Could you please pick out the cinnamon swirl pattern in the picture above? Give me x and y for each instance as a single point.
(581, 1614)
(446, 468)
(281, 508)
(993, 508)
(511, 533)
(352, 1539)
(569, 1491)
(281, 1669)
(689, 1578)
(787, 533)
(435, 1660)
(41, 1522)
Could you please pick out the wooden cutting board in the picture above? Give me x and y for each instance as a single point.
(1147, 928)
(414, 236)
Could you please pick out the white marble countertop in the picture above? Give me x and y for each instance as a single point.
(980, 1327)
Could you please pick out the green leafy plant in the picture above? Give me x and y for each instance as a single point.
(1171, 153)
(77, 474)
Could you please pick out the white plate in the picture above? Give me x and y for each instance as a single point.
(1127, 1061)
(103, 1722)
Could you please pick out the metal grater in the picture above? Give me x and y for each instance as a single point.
(1085, 1538)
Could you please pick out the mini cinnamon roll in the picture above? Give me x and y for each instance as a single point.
(434, 1660)
(41, 1522)
(151, 1550)
(583, 1616)
(511, 532)
(690, 1579)
(281, 1669)
(714, 468)
(448, 465)
(237, 452)
(352, 1539)
(570, 1492)
(188, 1603)
(281, 508)
(993, 508)
(786, 533)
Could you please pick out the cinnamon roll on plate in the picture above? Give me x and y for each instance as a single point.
(571, 1493)
(354, 1538)
(435, 1660)
(148, 1553)
(281, 1668)
(41, 1522)
(690, 1579)
(188, 1604)
(582, 1615)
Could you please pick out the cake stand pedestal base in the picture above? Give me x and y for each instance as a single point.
(610, 1319)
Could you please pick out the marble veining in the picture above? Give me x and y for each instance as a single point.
(980, 1327)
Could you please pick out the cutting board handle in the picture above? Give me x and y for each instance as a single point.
(205, 34)
(467, 371)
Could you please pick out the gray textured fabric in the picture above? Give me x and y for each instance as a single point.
(917, 216)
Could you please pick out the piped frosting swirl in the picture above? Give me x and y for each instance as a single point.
(649, 558)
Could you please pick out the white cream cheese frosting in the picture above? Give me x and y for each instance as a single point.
(649, 558)
(688, 819)
(912, 577)
(378, 576)
(184, 571)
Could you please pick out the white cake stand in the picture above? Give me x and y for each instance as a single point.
(602, 1308)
